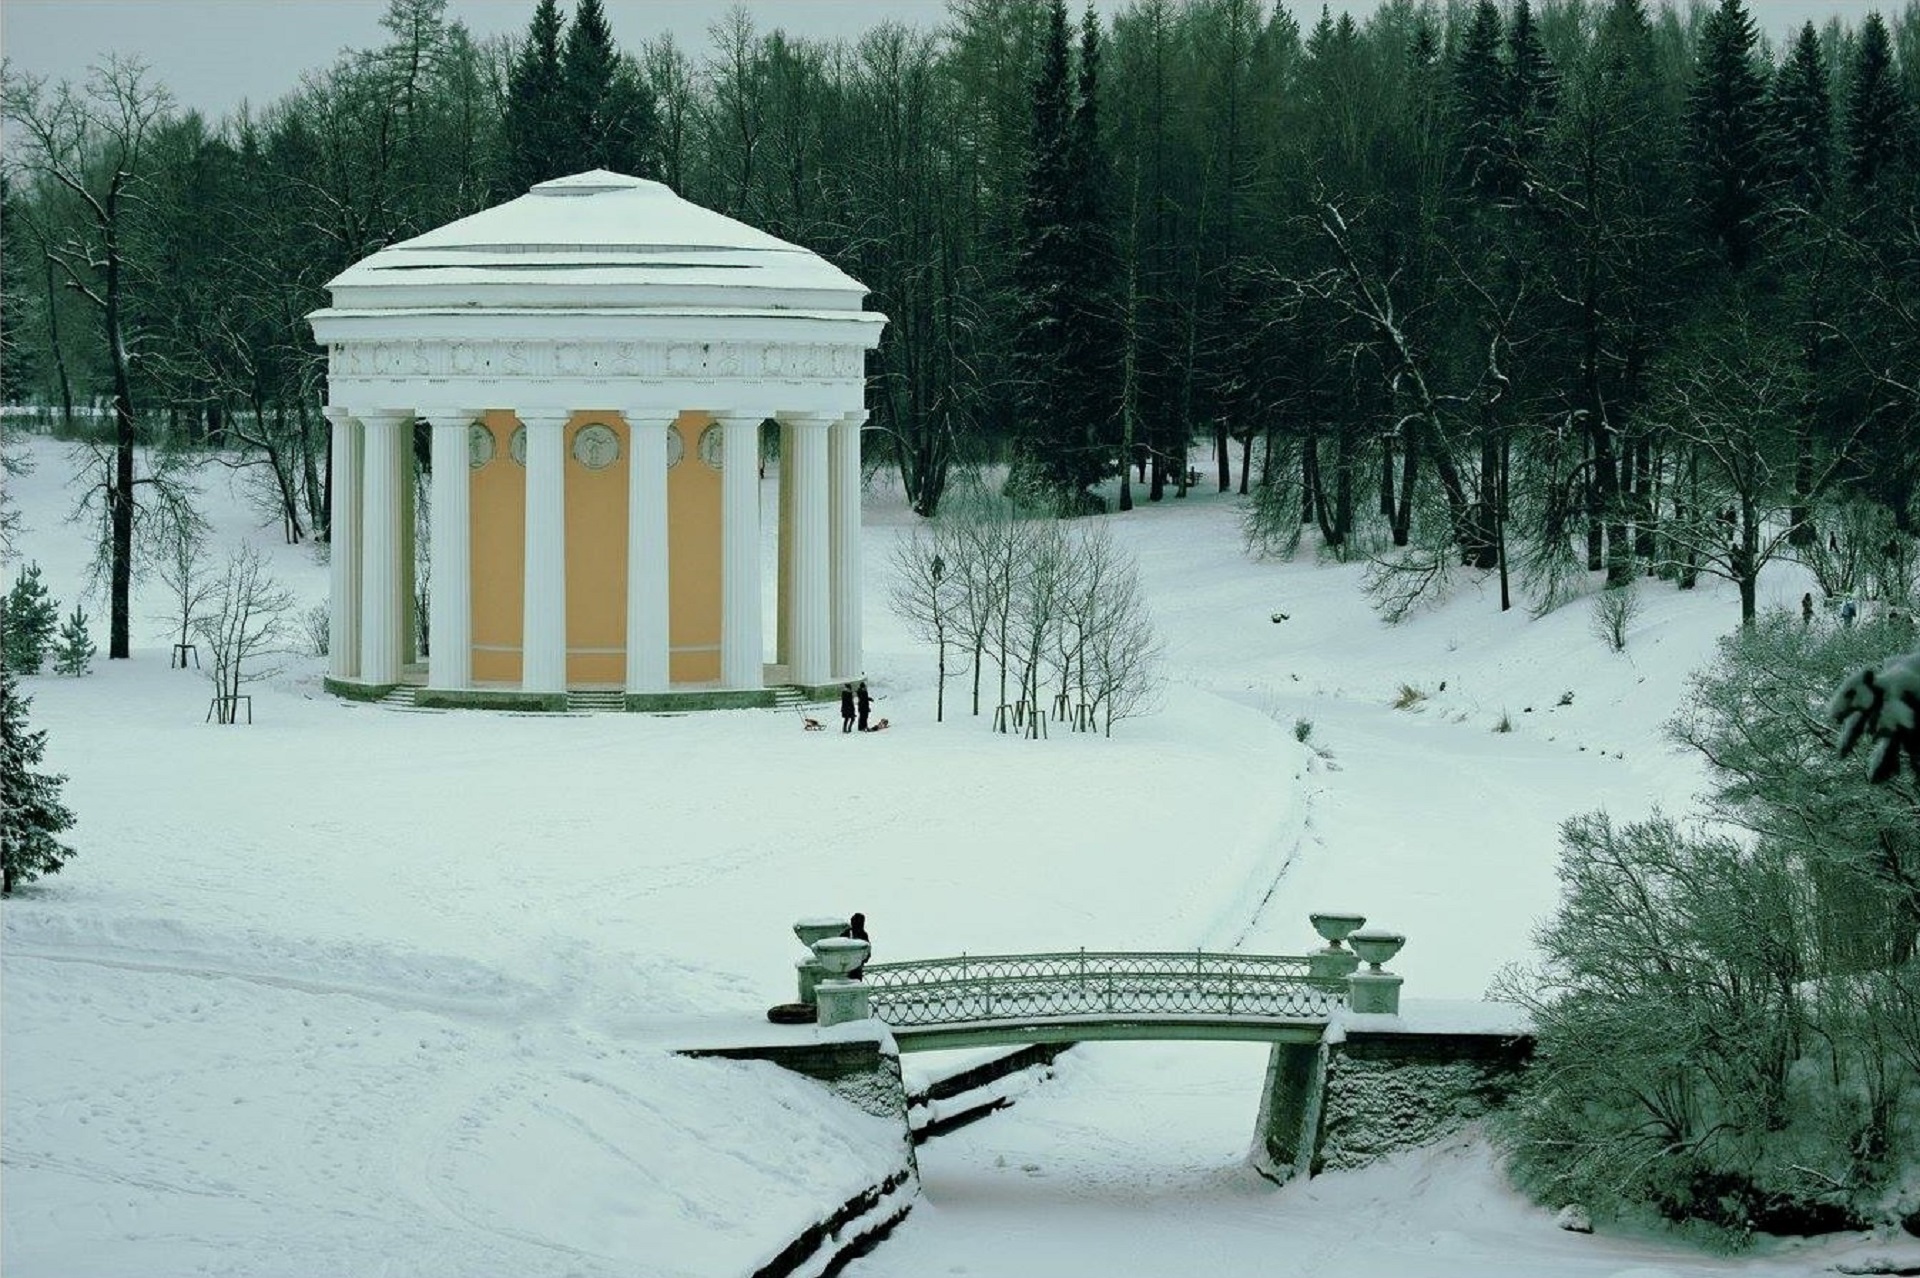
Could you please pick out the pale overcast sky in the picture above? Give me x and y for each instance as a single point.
(215, 53)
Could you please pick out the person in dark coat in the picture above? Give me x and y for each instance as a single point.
(1806, 607)
(846, 707)
(865, 700)
(857, 929)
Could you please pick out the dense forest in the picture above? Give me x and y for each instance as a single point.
(1547, 290)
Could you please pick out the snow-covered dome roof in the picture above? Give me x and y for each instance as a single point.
(592, 240)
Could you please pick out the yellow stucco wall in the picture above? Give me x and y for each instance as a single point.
(596, 538)
(597, 558)
(497, 522)
(693, 561)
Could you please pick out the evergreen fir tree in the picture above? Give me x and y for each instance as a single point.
(31, 813)
(1044, 272)
(606, 107)
(31, 618)
(1531, 90)
(1729, 135)
(1803, 116)
(531, 131)
(1091, 371)
(1479, 86)
(1877, 121)
(73, 650)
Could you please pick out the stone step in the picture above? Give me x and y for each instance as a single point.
(600, 702)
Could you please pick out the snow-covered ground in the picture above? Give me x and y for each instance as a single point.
(356, 990)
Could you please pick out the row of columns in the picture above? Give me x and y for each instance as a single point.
(371, 557)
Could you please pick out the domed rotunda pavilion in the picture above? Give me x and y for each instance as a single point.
(596, 360)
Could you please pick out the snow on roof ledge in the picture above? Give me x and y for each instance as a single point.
(595, 182)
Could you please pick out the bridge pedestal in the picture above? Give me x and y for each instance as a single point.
(1382, 1085)
(842, 1001)
(1287, 1134)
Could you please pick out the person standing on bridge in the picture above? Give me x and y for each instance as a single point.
(857, 929)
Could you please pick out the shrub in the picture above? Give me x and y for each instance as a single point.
(1408, 697)
(1613, 611)
(316, 624)
(1728, 1016)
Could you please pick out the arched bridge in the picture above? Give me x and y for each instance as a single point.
(982, 1001)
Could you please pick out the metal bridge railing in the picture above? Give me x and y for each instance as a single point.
(1088, 983)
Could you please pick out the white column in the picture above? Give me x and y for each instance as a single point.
(543, 624)
(783, 593)
(343, 548)
(450, 638)
(843, 467)
(381, 580)
(647, 668)
(810, 654)
(409, 509)
(740, 655)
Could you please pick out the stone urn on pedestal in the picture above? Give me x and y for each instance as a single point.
(841, 1000)
(808, 970)
(809, 930)
(1334, 962)
(1373, 989)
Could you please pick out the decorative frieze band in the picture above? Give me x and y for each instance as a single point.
(653, 361)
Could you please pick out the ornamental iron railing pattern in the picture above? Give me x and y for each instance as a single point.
(1087, 983)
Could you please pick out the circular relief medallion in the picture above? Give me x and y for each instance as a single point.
(479, 446)
(517, 446)
(676, 446)
(710, 446)
(596, 447)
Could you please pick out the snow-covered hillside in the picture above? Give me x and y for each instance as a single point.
(358, 990)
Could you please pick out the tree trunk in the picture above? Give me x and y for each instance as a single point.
(1802, 532)
(1386, 477)
(59, 356)
(1343, 485)
(120, 489)
(1409, 470)
(1500, 518)
(1309, 476)
(310, 470)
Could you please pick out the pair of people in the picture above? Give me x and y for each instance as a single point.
(855, 703)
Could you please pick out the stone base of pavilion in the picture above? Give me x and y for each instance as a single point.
(681, 699)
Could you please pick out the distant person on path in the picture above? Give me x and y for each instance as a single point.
(1806, 607)
(846, 707)
(865, 700)
(1847, 613)
(857, 929)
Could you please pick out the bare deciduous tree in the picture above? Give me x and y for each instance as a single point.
(243, 624)
(927, 593)
(182, 569)
(90, 141)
